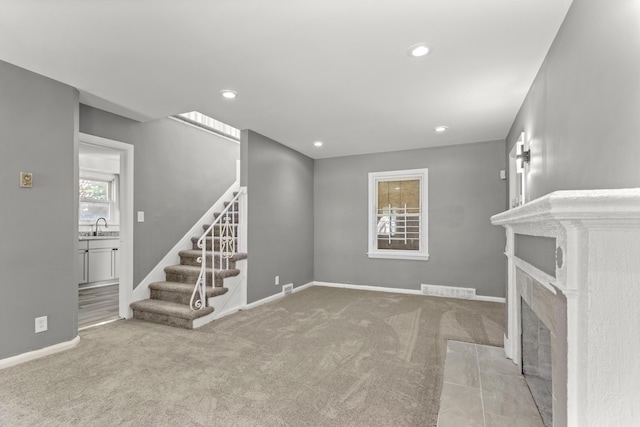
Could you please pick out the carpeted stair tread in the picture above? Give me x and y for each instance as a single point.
(173, 309)
(211, 243)
(194, 257)
(170, 300)
(195, 239)
(194, 253)
(186, 288)
(192, 269)
(216, 228)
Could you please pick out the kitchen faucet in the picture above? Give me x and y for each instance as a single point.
(95, 233)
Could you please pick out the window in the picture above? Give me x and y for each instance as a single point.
(200, 120)
(398, 214)
(98, 198)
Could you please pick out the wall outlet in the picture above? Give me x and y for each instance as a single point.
(277, 280)
(287, 289)
(41, 324)
(140, 216)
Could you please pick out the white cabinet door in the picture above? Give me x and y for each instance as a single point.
(101, 264)
(82, 273)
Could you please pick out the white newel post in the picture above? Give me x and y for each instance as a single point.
(598, 273)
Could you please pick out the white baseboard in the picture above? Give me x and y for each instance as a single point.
(263, 301)
(275, 296)
(395, 290)
(36, 354)
(223, 309)
(368, 288)
(490, 299)
(302, 287)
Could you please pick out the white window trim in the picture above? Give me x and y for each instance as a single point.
(114, 185)
(208, 124)
(423, 253)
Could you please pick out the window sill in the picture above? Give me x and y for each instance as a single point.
(401, 255)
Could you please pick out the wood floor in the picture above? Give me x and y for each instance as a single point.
(97, 305)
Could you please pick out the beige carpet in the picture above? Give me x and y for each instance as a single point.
(320, 357)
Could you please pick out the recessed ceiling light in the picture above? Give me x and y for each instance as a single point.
(229, 94)
(418, 50)
(441, 129)
(318, 144)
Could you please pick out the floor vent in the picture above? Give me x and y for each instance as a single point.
(287, 289)
(448, 291)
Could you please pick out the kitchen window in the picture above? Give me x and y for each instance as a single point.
(98, 198)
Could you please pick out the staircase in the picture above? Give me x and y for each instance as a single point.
(171, 300)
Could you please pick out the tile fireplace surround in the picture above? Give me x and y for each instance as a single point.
(591, 306)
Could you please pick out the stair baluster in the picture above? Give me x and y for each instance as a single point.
(226, 248)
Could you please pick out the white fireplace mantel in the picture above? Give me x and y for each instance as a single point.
(597, 236)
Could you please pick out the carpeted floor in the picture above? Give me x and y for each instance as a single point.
(320, 357)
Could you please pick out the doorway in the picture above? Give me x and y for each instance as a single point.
(105, 227)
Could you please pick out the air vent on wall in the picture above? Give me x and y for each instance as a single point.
(448, 291)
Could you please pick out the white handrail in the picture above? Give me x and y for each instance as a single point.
(227, 249)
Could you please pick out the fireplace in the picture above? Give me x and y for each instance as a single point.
(542, 318)
(579, 326)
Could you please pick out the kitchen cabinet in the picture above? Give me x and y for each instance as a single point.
(99, 262)
(82, 273)
(100, 265)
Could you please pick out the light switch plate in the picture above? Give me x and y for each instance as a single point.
(140, 216)
(26, 179)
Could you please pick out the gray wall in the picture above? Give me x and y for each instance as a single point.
(464, 191)
(38, 128)
(280, 219)
(582, 110)
(179, 172)
(538, 251)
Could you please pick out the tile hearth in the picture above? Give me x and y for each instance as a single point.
(483, 388)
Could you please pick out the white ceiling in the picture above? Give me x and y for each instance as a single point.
(305, 70)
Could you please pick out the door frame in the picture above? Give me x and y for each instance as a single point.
(126, 215)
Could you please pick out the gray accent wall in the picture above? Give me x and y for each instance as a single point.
(538, 251)
(581, 113)
(38, 134)
(179, 173)
(280, 217)
(465, 190)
